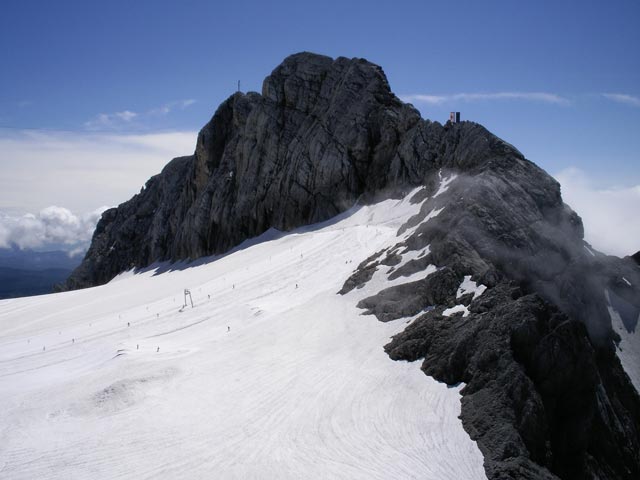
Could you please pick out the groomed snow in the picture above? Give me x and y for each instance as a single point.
(271, 375)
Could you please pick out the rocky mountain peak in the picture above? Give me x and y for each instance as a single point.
(323, 134)
(306, 81)
(546, 394)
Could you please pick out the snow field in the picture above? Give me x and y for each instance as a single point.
(299, 387)
(628, 350)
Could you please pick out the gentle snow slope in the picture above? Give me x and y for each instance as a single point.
(300, 386)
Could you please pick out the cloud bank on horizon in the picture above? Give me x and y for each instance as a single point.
(81, 171)
(52, 227)
(610, 215)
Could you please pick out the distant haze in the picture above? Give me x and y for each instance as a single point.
(82, 171)
(609, 214)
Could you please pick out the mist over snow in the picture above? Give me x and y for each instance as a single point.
(52, 227)
(609, 214)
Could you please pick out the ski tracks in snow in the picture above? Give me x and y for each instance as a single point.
(299, 387)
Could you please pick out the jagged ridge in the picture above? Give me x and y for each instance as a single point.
(323, 133)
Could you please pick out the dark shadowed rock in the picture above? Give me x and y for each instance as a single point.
(539, 400)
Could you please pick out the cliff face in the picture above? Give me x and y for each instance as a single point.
(546, 394)
(323, 133)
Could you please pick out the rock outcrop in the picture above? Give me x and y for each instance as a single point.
(323, 134)
(546, 395)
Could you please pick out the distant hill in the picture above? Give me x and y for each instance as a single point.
(26, 272)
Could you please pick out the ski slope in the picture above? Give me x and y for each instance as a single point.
(270, 375)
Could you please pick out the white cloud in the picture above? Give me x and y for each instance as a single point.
(126, 116)
(81, 171)
(108, 120)
(51, 226)
(120, 120)
(543, 97)
(623, 98)
(169, 107)
(610, 215)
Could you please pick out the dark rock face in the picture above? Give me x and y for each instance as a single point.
(545, 394)
(540, 400)
(323, 133)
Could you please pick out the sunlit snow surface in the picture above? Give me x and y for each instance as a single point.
(299, 387)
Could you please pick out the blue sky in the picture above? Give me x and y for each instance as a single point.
(559, 80)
